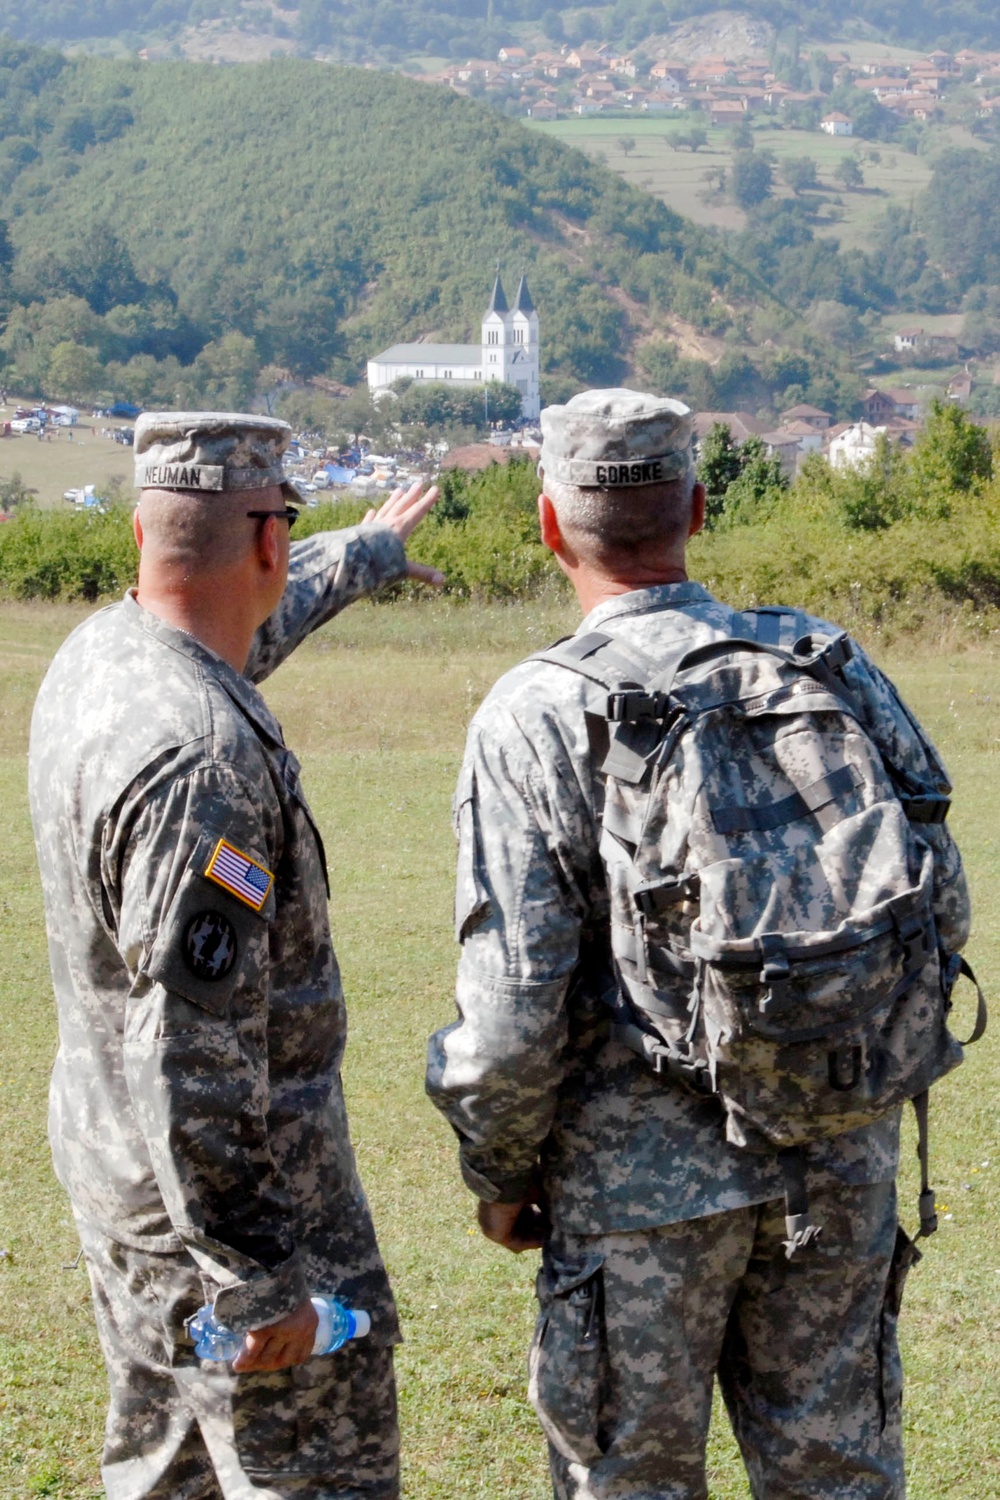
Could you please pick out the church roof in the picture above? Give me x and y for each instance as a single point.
(498, 302)
(431, 354)
(523, 302)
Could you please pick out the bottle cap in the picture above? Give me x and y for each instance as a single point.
(362, 1322)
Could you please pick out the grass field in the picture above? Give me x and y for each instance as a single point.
(63, 463)
(678, 176)
(376, 706)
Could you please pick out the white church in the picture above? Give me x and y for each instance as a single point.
(509, 351)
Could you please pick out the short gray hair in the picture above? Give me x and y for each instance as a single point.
(614, 523)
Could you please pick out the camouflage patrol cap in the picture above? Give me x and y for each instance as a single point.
(209, 450)
(612, 439)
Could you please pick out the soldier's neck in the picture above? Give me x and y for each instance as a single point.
(593, 588)
(229, 632)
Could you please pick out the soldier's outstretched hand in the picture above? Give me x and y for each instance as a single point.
(403, 511)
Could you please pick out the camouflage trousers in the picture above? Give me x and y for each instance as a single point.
(180, 1428)
(634, 1328)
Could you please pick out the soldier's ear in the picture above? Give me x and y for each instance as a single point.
(269, 544)
(548, 523)
(698, 497)
(137, 528)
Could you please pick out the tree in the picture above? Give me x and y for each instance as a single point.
(739, 477)
(626, 144)
(718, 467)
(693, 139)
(74, 372)
(14, 493)
(760, 480)
(751, 179)
(741, 135)
(952, 453)
(800, 173)
(227, 371)
(552, 25)
(848, 171)
(837, 322)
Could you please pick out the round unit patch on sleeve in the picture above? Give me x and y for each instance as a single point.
(209, 946)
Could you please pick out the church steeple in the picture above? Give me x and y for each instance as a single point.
(498, 302)
(523, 302)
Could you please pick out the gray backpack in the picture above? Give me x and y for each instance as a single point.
(771, 920)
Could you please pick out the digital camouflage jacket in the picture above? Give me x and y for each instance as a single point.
(196, 1099)
(529, 1076)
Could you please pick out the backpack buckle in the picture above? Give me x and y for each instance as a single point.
(775, 975)
(928, 807)
(913, 938)
(629, 705)
(654, 897)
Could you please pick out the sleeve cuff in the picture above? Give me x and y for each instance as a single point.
(387, 552)
(516, 1189)
(247, 1305)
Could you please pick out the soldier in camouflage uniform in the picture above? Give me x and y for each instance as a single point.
(662, 1259)
(197, 1117)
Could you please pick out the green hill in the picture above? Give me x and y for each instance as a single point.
(174, 227)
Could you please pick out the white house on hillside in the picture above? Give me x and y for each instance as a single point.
(855, 446)
(508, 351)
(837, 124)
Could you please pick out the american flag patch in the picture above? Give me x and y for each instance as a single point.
(240, 875)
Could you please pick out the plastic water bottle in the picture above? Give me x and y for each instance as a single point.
(336, 1324)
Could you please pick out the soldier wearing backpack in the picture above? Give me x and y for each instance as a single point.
(710, 914)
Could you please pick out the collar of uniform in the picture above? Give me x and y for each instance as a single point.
(645, 601)
(240, 688)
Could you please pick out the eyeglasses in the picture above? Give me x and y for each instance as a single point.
(290, 514)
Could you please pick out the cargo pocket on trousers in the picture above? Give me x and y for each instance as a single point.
(265, 1421)
(567, 1357)
(905, 1255)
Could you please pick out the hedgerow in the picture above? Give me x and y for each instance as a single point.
(895, 555)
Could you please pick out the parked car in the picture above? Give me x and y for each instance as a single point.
(26, 424)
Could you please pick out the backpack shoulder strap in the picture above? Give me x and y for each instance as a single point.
(600, 658)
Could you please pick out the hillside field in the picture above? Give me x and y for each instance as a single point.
(678, 176)
(376, 704)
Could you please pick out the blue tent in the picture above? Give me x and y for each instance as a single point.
(336, 475)
(124, 409)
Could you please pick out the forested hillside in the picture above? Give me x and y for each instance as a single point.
(180, 233)
(179, 226)
(453, 27)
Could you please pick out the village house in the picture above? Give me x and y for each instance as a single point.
(726, 111)
(584, 59)
(543, 109)
(813, 416)
(916, 341)
(741, 424)
(854, 445)
(786, 447)
(512, 55)
(880, 407)
(658, 103)
(662, 70)
(837, 124)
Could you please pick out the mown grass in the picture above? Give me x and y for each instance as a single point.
(63, 462)
(376, 706)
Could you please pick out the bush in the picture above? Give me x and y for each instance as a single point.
(51, 555)
(483, 534)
